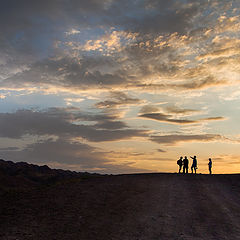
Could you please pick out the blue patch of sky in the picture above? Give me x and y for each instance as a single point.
(85, 34)
(17, 100)
(44, 34)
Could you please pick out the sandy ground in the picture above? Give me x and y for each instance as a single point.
(125, 207)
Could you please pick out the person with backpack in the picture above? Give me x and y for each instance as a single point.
(194, 164)
(180, 163)
(185, 165)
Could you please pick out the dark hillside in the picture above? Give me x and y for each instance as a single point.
(123, 207)
(22, 175)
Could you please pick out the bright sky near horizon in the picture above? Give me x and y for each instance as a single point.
(120, 86)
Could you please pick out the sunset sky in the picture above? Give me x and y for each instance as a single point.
(119, 86)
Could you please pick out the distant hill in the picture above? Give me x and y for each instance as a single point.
(41, 203)
(23, 175)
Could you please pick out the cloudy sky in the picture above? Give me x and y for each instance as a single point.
(119, 86)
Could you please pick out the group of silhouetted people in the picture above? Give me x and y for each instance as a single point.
(183, 163)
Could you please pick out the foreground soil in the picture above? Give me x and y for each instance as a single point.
(124, 207)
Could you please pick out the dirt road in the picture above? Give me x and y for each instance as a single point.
(126, 207)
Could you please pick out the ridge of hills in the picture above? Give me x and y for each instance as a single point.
(41, 203)
(21, 175)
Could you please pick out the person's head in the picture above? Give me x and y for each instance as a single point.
(185, 157)
(210, 159)
(194, 157)
(181, 157)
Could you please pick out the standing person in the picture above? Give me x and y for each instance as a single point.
(185, 165)
(180, 163)
(210, 166)
(194, 164)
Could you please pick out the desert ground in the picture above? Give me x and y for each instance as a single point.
(120, 207)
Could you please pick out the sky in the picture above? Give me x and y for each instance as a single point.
(114, 86)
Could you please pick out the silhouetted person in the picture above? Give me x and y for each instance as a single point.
(194, 164)
(185, 165)
(210, 166)
(180, 163)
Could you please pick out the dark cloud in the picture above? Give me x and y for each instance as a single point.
(153, 112)
(149, 109)
(67, 72)
(67, 154)
(177, 110)
(161, 117)
(164, 18)
(174, 139)
(110, 125)
(140, 62)
(71, 73)
(212, 118)
(209, 81)
(61, 122)
(63, 151)
(161, 150)
(23, 22)
(28, 30)
(29, 17)
(166, 118)
(118, 99)
(202, 83)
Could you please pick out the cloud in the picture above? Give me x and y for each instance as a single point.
(114, 41)
(65, 123)
(149, 109)
(67, 72)
(68, 154)
(152, 112)
(161, 150)
(160, 62)
(62, 151)
(168, 21)
(48, 19)
(174, 139)
(202, 83)
(177, 110)
(149, 44)
(110, 125)
(118, 99)
(221, 46)
(161, 117)
(72, 32)
(226, 159)
(166, 118)
(23, 16)
(212, 118)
